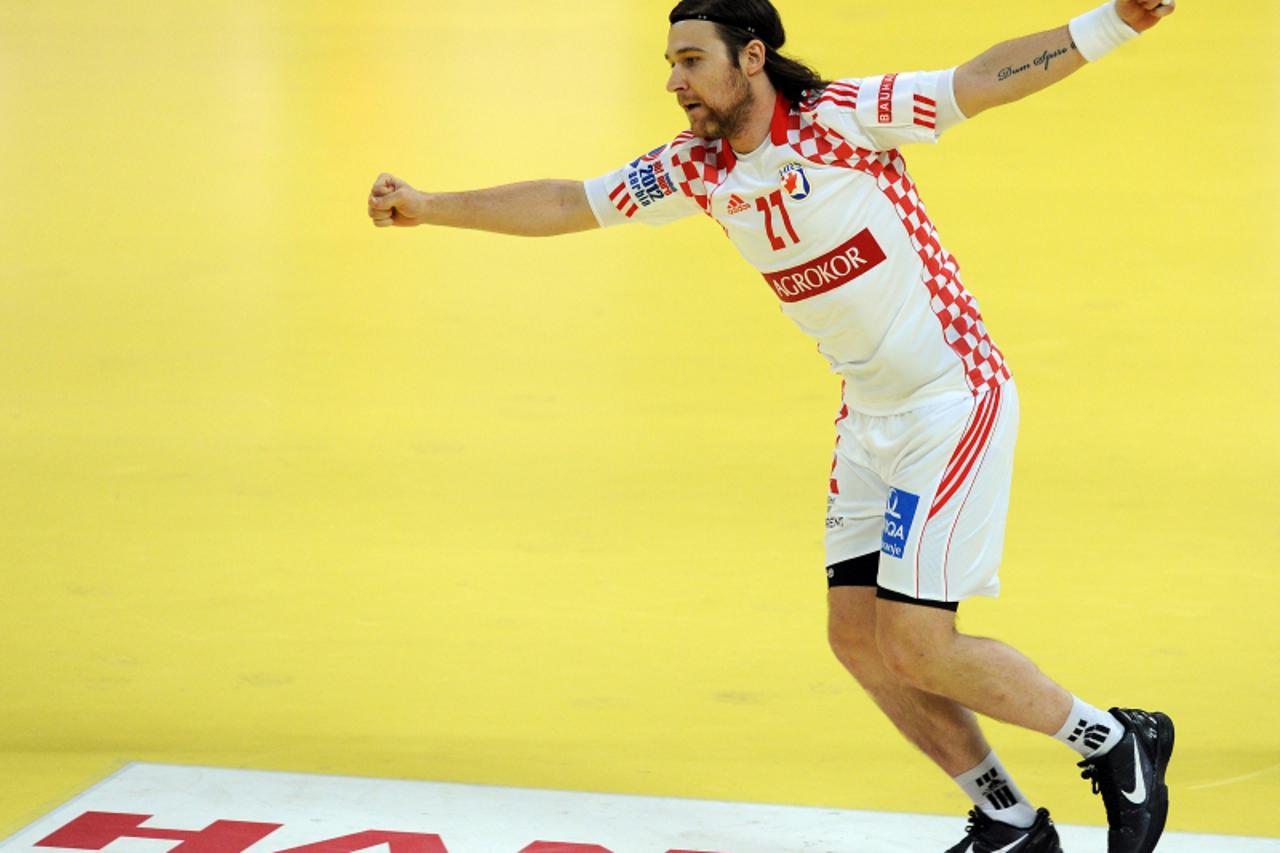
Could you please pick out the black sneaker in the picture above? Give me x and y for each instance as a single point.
(985, 835)
(1131, 780)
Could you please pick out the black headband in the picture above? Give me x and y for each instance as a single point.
(716, 19)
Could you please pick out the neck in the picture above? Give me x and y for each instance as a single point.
(755, 130)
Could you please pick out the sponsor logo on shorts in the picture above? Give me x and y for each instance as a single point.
(899, 514)
(795, 182)
(839, 266)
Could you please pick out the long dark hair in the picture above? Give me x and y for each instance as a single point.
(740, 21)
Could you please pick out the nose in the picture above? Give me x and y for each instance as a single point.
(676, 81)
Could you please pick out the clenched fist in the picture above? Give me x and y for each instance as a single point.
(1142, 15)
(394, 202)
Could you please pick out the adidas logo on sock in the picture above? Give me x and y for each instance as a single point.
(1093, 736)
(996, 790)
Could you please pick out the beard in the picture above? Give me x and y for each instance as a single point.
(724, 122)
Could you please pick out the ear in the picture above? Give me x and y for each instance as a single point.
(751, 59)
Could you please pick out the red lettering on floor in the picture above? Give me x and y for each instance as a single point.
(95, 830)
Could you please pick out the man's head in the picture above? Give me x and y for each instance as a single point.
(724, 58)
(716, 89)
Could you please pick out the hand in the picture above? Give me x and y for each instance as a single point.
(1142, 15)
(394, 202)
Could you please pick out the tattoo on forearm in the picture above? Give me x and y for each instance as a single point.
(1009, 70)
(1043, 59)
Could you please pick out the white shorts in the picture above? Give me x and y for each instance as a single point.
(929, 490)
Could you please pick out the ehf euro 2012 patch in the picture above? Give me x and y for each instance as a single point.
(899, 514)
(648, 180)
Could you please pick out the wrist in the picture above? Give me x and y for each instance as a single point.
(1100, 31)
(427, 208)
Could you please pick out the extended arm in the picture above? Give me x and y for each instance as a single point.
(530, 209)
(1014, 69)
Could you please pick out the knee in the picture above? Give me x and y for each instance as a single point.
(856, 649)
(911, 657)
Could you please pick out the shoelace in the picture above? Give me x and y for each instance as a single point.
(1092, 772)
(1088, 773)
(978, 821)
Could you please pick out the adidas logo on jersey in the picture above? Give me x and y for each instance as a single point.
(737, 205)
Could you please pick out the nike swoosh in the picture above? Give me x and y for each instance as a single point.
(1009, 847)
(1139, 793)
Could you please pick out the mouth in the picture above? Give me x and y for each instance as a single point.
(691, 106)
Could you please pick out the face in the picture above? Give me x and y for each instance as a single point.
(712, 89)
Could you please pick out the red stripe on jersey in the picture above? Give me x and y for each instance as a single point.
(831, 99)
(613, 196)
(631, 211)
(928, 101)
(921, 111)
(843, 91)
(926, 123)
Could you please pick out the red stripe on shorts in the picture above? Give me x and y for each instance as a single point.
(966, 454)
(946, 580)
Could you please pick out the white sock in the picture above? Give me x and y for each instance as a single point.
(993, 791)
(1089, 731)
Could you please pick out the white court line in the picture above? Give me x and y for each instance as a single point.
(1245, 778)
(386, 816)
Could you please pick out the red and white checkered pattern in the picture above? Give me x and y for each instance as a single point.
(954, 307)
(703, 164)
(826, 171)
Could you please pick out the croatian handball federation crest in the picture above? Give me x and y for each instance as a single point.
(795, 182)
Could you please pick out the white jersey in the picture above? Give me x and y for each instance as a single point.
(826, 211)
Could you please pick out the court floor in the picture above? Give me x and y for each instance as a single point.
(280, 491)
(145, 808)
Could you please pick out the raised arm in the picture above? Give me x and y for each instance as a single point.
(531, 209)
(1014, 69)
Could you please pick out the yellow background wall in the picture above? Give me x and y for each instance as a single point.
(281, 490)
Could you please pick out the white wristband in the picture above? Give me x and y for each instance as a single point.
(1101, 31)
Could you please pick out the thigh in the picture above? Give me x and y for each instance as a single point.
(947, 502)
(851, 612)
